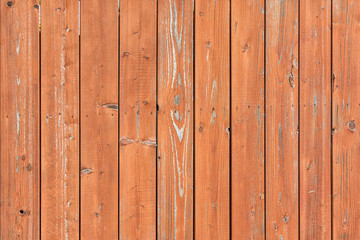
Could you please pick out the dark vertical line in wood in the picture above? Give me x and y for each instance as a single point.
(79, 120)
(265, 193)
(193, 125)
(331, 119)
(298, 130)
(40, 215)
(1, 115)
(40, 133)
(156, 120)
(119, 121)
(230, 123)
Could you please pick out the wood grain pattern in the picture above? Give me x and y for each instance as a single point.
(282, 119)
(212, 119)
(175, 119)
(20, 124)
(346, 102)
(115, 120)
(315, 119)
(137, 119)
(99, 119)
(247, 119)
(60, 119)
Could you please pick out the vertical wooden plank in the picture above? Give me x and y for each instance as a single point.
(212, 119)
(175, 119)
(99, 119)
(315, 119)
(346, 102)
(282, 119)
(137, 119)
(247, 119)
(60, 119)
(20, 157)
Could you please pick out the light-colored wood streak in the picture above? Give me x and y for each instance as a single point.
(175, 119)
(212, 119)
(315, 119)
(99, 119)
(282, 119)
(60, 119)
(19, 104)
(137, 119)
(247, 116)
(346, 118)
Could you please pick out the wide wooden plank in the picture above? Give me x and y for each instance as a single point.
(60, 119)
(346, 117)
(137, 119)
(315, 119)
(247, 119)
(99, 119)
(175, 119)
(281, 90)
(212, 119)
(20, 124)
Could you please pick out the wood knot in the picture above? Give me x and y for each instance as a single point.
(28, 167)
(291, 79)
(149, 142)
(86, 171)
(125, 141)
(201, 128)
(23, 212)
(9, 3)
(208, 44)
(246, 47)
(126, 54)
(352, 126)
(112, 106)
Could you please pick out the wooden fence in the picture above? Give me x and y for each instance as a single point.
(180, 119)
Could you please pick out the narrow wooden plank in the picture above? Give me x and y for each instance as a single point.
(247, 119)
(20, 124)
(60, 119)
(99, 119)
(346, 137)
(282, 119)
(175, 119)
(212, 119)
(137, 119)
(315, 119)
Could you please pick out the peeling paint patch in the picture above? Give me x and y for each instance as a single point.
(18, 44)
(213, 116)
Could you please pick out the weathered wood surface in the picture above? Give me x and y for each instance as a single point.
(212, 119)
(20, 123)
(345, 119)
(175, 120)
(60, 120)
(247, 119)
(179, 119)
(99, 119)
(281, 89)
(315, 119)
(137, 120)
